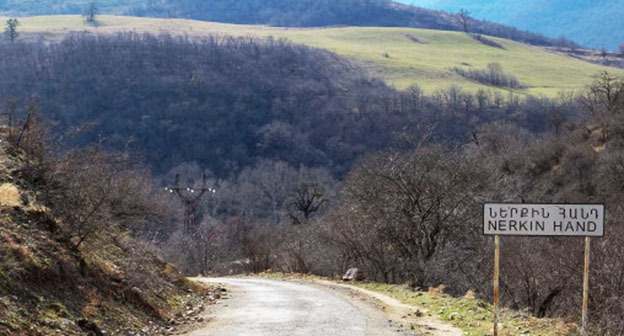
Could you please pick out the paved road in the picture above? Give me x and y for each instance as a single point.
(283, 308)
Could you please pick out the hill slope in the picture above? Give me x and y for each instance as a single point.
(49, 286)
(226, 102)
(402, 56)
(285, 13)
(596, 24)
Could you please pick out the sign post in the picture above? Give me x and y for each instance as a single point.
(545, 220)
(496, 273)
(584, 323)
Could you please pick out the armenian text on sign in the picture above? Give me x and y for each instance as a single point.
(585, 220)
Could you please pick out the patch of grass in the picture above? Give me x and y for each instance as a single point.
(472, 315)
(428, 65)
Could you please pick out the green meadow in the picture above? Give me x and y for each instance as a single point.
(401, 56)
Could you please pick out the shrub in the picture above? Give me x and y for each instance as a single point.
(492, 75)
(487, 41)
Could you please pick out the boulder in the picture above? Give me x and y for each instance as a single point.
(353, 274)
(89, 327)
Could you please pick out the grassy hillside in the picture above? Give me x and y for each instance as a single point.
(390, 53)
(280, 13)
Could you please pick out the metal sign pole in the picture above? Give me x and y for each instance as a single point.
(584, 328)
(496, 275)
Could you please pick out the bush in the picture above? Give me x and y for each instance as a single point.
(91, 190)
(487, 41)
(492, 75)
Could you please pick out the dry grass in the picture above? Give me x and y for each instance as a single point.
(470, 294)
(9, 195)
(437, 290)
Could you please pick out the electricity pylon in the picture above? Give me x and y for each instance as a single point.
(190, 198)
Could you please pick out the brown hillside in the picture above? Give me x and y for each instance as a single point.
(110, 285)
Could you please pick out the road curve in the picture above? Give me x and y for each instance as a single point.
(284, 308)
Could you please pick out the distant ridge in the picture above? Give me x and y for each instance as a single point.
(287, 13)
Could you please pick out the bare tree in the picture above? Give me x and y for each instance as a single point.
(10, 108)
(91, 12)
(401, 210)
(604, 100)
(310, 193)
(263, 190)
(11, 29)
(463, 17)
(306, 200)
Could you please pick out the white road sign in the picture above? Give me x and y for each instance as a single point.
(586, 220)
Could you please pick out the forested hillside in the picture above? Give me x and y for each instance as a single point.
(221, 102)
(227, 102)
(293, 13)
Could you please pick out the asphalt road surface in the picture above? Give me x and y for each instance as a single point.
(284, 308)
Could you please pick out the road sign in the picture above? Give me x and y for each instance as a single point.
(507, 219)
(581, 220)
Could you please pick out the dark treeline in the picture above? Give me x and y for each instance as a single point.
(221, 102)
(226, 102)
(288, 13)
